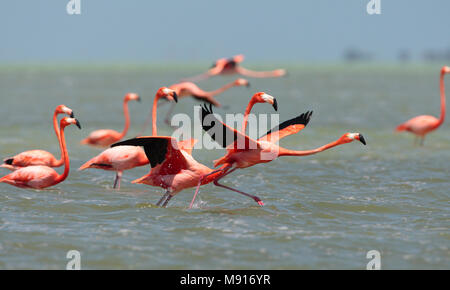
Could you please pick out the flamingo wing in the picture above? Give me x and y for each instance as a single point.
(223, 134)
(287, 128)
(160, 150)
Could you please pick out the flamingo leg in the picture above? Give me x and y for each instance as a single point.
(117, 180)
(167, 200)
(254, 197)
(200, 183)
(163, 198)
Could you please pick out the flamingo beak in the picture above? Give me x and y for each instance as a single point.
(78, 124)
(361, 139)
(248, 85)
(275, 104)
(72, 115)
(175, 97)
(138, 99)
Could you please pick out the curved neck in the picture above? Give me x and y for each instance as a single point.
(247, 112)
(287, 152)
(60, 161)
(442, 87)
(62, 141)
(222, 89)
(154, 116)
(127, 119)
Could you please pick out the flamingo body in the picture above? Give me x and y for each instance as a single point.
(420, 125)
(118, 159)
(37, 177)
(102, 138)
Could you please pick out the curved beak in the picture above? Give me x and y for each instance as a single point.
(72, 115)
(175, 97)
(275, 104)
(78, 124)
(248, 85)
(361, 139)
(138, 99)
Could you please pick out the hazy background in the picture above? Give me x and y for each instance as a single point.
(191, 31)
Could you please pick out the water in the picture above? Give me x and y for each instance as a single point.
(322, 212)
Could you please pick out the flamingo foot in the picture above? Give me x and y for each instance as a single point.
(260, 203)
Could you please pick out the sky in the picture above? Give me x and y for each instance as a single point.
(109, 31)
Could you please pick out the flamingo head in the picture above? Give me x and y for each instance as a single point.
(66, 121)
(280, 72)
(445, 70)
(61, 109)
(350, 137)
(167, 93)
(132, 97)
(238, 58)
(262, 97)
(242, 82)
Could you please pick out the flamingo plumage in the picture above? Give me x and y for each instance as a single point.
(123, 158)
(243, 151)
(231, 66)
(106, 137)
(424, 124)
(39, 157)
(39, 176)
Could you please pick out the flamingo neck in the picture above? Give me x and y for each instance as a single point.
(442, 87)
(60, 161)
(154, 115)
(62, 142)
(127, 119)
(256, 74)
(222, 89)
(246, 114)
(287, 152)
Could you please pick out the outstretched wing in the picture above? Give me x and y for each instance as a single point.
(160, 150)
(287, 128)
(223, 134)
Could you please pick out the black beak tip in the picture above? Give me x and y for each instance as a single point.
(72, 115)
(247, 85)
(78, 124)
(275, 104)
(175, 97)
(361, 139)
(138, 99)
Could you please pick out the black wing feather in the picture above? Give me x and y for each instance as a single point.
(155, 148)
(303, 119)
(224, 138)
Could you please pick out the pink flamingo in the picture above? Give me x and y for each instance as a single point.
(424, 124)
(106, 137)
(243, 152)
(173, 167)
(39, 157)
(39, 176)
(231, 66)
(123, 158)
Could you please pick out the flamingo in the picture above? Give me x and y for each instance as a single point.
(39, 157)
(106, 137)
(123, 158)
(243, 151)
(424, 124)
(40, 176)
(173, 167)
(231, 66)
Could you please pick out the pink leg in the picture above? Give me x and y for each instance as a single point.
(117, 180)
(200, 183)
(254, 197)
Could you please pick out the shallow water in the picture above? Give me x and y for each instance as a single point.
(322, 212)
